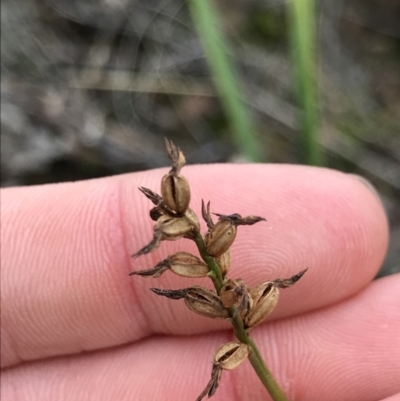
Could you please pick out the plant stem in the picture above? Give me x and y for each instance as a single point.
(215, 271)
(241, 333)
(264, 374)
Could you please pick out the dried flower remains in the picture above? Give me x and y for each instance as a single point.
(231, 299)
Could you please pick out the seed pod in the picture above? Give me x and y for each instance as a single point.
(205, 302)
(224, 262)
(173, 228)
(230, 355)
(220, 237)
(193, 219)
(187, 265)
(181, 263)
(232, 292)
(265, 297)
(175, 192)
(245, 305)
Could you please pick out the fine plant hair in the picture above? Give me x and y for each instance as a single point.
(245, 307)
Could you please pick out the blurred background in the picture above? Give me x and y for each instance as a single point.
(90, 88)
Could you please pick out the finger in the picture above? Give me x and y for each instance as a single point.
(345, 352)
(395, 397)
(66, 252)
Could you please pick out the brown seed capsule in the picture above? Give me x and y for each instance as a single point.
(224, 262)
(265, 297)
(205, 302)
(220, 237)
(175, 192)
(173, 228)
(232, 292)
(245, 305)
(230, 355)
(193, 219)
(187, 265)
(201, 300)
(181, 263)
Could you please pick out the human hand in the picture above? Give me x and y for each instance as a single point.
(76, 327)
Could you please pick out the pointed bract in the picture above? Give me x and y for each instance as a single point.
(152, 246)
(176, 156)
(288, 282)
(149, 194)
(171, 294)
(212, 385)
(238, 220)
(154, 272)
(205, 211)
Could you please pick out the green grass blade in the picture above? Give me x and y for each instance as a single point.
(226, 80)
(302, 30)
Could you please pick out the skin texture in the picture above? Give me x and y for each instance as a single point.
(75, 326)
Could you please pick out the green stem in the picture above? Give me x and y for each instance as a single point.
(264, 374)
(215, 271)
(241, 333)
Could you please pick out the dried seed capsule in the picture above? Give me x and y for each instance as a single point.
(224, 262)
(230, 355)
(193, 219)
(245, 305)
(265, 297)
(173, 228)
(201, 300)
(205, 302)
(220, 237)
(187, 265)
(175, 192)
(181, 263)
(232, 292)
